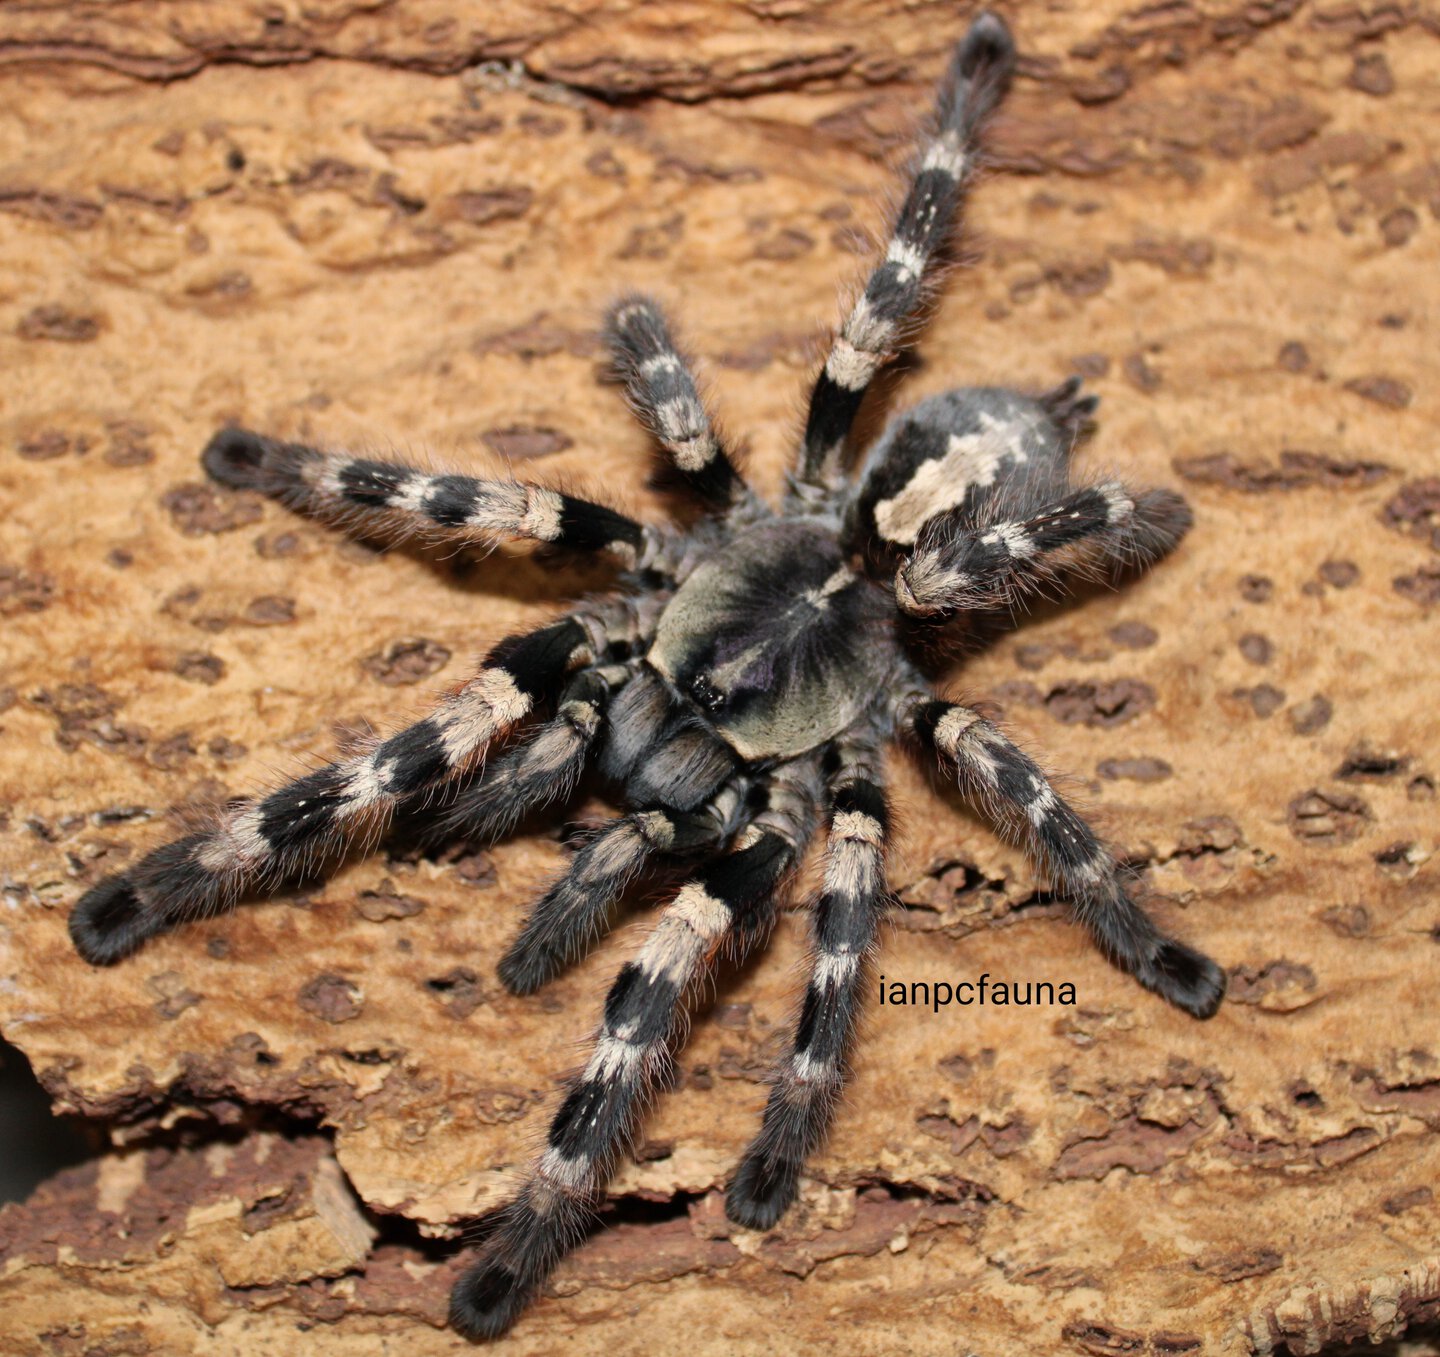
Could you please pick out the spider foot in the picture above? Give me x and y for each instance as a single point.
(1184, 977)
(486, 1301)
(236, 458)
(1069, 410)
(529, 965)
(987, 46)
(111, 921)
(163, 889)
(761, 1191)
(1162, 518)
(524, 1240)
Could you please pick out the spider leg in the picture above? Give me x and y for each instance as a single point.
(895, 294)
(958, 564)
(396, 501)
(546, 765)
(571, 913)
(1072, 413)
(847, 915)
(729, 903)
(662, 390)
(542, 769)
(1022, 799)
(316, 816)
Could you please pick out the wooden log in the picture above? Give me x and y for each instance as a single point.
(395, 229)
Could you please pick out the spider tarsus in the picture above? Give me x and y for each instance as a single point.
(1070, 412)
(525, 969)
(1162, 518)
(761, 1192)
(987, 42)
(110, 922)
(486, 1301)
(1186, 978)
(985, 63)
(236, 457)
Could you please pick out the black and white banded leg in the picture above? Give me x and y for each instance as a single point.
(572, 913)
(846, 920)
(729, 904)
(542, 769)
(298, 826)
(958, 566)
(662, 390)
(894, 295)
(1023, 801)
(395, 501)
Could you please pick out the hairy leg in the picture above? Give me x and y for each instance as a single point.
(956, 565)
(875, 329)
(300, 825)
(662, 390)
(729, 903)
(540, 770)
(571, 914)
(1021, 798)
(809, 1079)
(395, 501)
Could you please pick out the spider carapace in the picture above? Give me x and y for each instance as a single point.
(738, 685)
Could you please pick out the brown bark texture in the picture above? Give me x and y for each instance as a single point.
(393, 227)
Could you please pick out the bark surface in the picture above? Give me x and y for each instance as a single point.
(391, 228)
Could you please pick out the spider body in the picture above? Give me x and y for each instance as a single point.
(961, 450)
(777, 640)
(737, 686)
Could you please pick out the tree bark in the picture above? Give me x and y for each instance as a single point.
(391, 228)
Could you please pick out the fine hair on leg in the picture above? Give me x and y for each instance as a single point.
(394, 501)
(808, 1080)
(876, 327)
(1023, 802)
(312, 820)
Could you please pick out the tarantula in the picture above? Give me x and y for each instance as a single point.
(744, 674)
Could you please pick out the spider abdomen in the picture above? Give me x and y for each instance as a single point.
(965, 451)
(777, 640)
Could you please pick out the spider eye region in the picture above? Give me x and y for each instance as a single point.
(776, 641)
(705, 694)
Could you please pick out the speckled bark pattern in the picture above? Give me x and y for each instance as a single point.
(345, 222)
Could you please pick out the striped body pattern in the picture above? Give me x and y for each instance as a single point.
(734, 691)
